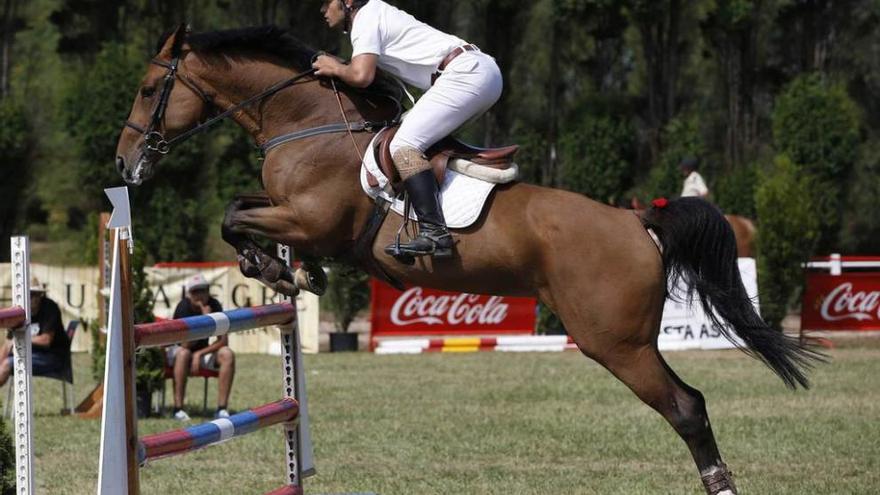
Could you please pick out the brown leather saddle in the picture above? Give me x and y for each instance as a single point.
(439, 156)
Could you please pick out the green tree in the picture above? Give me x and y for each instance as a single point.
(94, 109)
(7, 459)
(597, 158)
(734, 192)
(789, 229)
(816, 124)
(348, 293)
(861, 226)
(15, 147)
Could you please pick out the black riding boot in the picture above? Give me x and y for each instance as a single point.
(433, 239)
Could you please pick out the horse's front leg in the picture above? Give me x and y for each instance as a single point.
(253, 215)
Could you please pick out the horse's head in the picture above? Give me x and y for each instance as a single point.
(161, 110)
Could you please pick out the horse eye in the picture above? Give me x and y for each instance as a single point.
(148, 91)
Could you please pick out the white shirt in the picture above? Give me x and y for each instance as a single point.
(694, 185)
(407, 47)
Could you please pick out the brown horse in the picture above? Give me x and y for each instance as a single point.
(744, 231)
(595, 266)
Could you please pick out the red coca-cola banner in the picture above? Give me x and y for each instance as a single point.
(850, 301)
(420, 311)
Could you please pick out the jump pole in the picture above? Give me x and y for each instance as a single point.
(118, 467)
(299, 455)
(18, 318)
(121, 451)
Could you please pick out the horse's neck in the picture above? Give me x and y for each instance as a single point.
(321, 169)
(232, 81)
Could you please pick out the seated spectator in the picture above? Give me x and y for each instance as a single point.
(189, 357)
(50, 348)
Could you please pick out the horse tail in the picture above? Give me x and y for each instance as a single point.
(699, 249)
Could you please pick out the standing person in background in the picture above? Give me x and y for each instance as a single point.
(189, 357)
(50, 348)
(694, 185)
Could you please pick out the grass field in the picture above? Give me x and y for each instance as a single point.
(510, 424)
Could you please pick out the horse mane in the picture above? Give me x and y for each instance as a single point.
(268, 40)
(273, 41)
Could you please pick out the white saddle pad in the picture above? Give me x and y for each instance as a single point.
(462, 198)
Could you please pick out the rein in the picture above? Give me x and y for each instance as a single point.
(155, 142)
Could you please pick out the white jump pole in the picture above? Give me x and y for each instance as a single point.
(117, 468)
(21, 297)
(297, 439)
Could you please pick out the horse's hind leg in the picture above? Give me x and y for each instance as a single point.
(644, 371)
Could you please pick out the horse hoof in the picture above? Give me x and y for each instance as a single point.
(311, 279)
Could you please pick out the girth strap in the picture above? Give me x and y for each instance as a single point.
(314, 131)
(364, 126)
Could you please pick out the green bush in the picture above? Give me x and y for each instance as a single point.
(348, 292)
(7, 459)
(860, 233)
(184, 219)
(532, 157)
(734, 193)
(787, 234)
(15, 145)
(548, 323)
(94, 108)
(816, 124)
(597, 157)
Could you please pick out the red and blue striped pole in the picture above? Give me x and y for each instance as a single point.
(12, 317)
(204, 326)
(196, 437)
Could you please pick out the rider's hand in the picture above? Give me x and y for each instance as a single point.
(327, 65)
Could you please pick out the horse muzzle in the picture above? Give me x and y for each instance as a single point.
(136, 174)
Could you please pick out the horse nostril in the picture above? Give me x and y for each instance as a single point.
(120, 164)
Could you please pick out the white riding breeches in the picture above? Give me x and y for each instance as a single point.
(468, 87)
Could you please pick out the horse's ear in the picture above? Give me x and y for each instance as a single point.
(173, 45)
(179, 39)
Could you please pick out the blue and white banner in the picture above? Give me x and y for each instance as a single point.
(686, 326)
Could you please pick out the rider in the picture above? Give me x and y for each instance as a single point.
(459, 80)
(694, 185)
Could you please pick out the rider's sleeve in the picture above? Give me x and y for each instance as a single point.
(365, 34)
